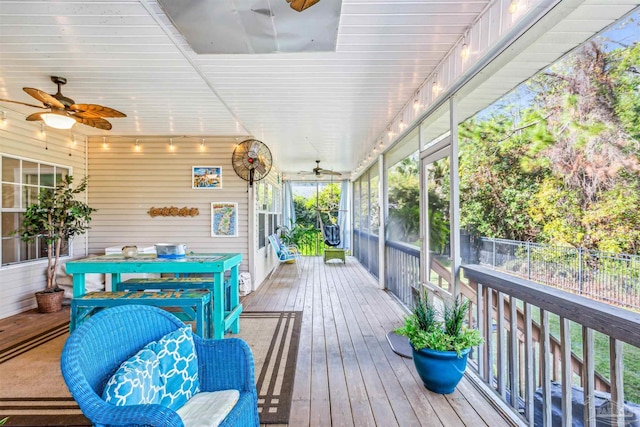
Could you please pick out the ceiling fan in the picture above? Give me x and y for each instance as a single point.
(318, 171)
(64, 112)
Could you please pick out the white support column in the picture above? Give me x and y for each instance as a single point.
(252, 249)
(422, 206)
(455, 197)
(382, 215)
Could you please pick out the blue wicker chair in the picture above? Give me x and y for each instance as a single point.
(96, 349)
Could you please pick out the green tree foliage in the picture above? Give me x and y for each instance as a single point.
(305, 232)
(495, 186)
(588, 199)
(564, 170)
(403, 223)
(625, 71)
(327, 200)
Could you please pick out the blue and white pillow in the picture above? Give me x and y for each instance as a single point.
(284, 253)
(137, 381)
(178, 366)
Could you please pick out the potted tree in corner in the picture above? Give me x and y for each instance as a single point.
(56, 218)
(440, 344)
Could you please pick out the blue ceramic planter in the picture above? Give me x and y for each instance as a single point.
(440, 371)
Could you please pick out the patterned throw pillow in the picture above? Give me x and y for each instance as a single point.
(136, 381)
(284, 253)
(178, 365)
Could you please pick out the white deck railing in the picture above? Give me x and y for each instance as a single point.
(515, 365)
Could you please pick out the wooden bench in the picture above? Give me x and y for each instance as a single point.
(174, 284)
(193, 305)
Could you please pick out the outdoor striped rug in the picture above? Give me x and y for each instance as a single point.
(33, 392)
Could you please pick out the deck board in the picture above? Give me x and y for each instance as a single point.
(347, 374)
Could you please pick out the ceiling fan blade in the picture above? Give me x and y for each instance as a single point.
(329, 172)
(94, 110)
(44, 97)
(300, 5)
(95, 122)
(258, 164)
(23, 103)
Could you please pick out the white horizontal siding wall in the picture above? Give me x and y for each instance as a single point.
(20, 138)
(124, 184)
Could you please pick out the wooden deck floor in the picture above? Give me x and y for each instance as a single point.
(347, 375)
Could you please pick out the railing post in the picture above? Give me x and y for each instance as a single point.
(616, 367)
(529, 260)
(589, 411)
(494, 252)
(580, 270)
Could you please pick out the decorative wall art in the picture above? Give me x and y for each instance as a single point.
(206, 177)
(224, 219)
(173, 211)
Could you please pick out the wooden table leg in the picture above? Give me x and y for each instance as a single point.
(235, 298)
(218, 314)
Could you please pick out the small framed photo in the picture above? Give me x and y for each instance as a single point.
(224, 219)
(206, 177)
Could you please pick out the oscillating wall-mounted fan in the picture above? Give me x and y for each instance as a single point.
(64, 112)
(251, 160)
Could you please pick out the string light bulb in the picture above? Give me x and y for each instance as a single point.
(401, 125)
(389, 132)
(171, 147)
(75, 141)
(416, 102)
(137, 145)
(3, 118)
(104, 142)
(514, 6)
(464, 52)
(381, 144)
(202, 144)
(434, 87)
(43, 129)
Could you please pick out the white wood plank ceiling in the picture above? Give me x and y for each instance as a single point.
(331, 106)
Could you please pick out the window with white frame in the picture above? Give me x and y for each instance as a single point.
(22, 180)
(268, 210)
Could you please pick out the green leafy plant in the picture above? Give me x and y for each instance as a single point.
(425, 329)
(4, 420)
(56, 218)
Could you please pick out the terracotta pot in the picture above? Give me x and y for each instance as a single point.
(49, 302)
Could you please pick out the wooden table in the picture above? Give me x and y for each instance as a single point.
(212, 263)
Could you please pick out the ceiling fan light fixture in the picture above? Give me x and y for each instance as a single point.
(58, 121)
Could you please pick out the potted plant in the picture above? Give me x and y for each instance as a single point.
(56, 218)
(440, 343)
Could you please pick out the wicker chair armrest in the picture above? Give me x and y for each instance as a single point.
(225, 364)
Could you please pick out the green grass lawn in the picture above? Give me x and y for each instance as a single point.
(631, 355)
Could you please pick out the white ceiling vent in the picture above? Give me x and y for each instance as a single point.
(255, 26)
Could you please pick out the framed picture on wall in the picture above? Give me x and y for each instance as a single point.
(224, 219)
(206, 177)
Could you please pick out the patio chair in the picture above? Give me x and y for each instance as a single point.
(98, 348)
(283, 254)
